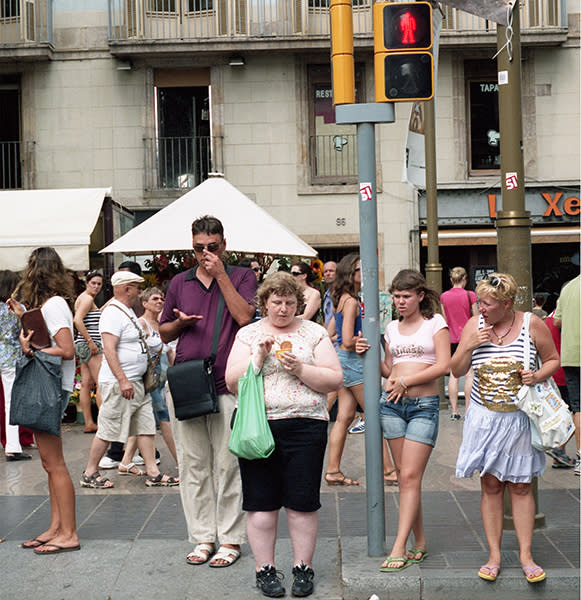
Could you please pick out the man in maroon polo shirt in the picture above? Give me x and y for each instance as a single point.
(210, 485)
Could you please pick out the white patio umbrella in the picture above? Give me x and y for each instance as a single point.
(247, 227)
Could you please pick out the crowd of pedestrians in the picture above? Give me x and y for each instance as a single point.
(307, 346)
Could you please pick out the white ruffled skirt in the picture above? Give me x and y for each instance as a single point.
(498, 443)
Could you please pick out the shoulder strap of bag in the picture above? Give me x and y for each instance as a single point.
(140, 332)
(527, 340)
(218, 321)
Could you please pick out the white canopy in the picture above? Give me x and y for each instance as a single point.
(247, 227)
(63, 219)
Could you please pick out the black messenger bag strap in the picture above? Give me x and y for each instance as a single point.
(218, 322)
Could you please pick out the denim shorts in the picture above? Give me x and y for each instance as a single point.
(160, 410)
(352, 365)
(416, 419)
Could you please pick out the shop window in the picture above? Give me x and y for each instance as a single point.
(484, 133)
(332, 147)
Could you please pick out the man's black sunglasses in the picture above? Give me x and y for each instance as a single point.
(212, 247)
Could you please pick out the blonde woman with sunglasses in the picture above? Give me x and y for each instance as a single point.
(497, 437)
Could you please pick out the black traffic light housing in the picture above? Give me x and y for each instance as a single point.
(403, 39)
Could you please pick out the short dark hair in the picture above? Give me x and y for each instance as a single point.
(208, 225)
(132, 266)
(247, 261)
(8, 282)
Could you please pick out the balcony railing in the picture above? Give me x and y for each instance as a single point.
(181, 163)
(203, 20)
(16, 165)
(534, 15)
(334, 158)
(206, 19)
(25, 22)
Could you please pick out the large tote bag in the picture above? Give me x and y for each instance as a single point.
(551, 421)
(36, 394)
(251, 437)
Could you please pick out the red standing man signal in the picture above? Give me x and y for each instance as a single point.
(408, 26)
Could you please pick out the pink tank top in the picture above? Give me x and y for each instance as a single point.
(418, 347)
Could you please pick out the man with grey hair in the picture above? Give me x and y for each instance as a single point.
(126, 408)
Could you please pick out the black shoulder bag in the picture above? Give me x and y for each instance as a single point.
(192, 384)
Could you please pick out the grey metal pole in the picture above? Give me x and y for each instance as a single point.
(371, 369)
(365, 116)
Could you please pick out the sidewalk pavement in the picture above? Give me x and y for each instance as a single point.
(134, 542)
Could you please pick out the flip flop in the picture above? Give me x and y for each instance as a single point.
(201, 551)
(530, 574)
(229, 555)
(489, 575)
(342, 480)
(34, 543)
(422, 552)
(402, 559)
(57, 549)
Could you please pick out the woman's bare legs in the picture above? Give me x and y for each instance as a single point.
(523, 514)
(492, 511)
(389, 470)
(261, 529)
(345, 414)
(410, 459)
(94, 365)
(303, 529)
(62, 530)
(87, 383)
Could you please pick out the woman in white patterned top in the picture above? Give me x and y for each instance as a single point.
(299, 367)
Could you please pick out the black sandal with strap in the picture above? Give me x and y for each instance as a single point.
(159, 481)
(96, 481)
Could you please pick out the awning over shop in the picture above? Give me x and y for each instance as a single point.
(63, 219)
(487, 237)
(247, 227)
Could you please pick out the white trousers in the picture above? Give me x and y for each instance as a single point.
(210, 485)
(12, 436)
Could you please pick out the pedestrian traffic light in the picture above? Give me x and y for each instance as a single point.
(404, 65)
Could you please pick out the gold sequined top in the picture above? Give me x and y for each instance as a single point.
(496, 377)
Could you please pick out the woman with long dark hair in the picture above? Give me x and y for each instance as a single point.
(46, 285)
(346, 325)
(304, 275)
(417, 353)
(88, 345)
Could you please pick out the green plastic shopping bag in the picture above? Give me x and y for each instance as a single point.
(251, 437)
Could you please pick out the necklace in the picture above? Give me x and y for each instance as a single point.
(501, 337)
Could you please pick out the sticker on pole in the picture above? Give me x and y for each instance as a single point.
(365, 192)
(502, 77)
(511, 181)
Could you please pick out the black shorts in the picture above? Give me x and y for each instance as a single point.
(291, 475)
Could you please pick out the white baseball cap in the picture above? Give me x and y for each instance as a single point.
(123, 277)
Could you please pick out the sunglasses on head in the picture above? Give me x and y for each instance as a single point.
(494, 281)
(212, 247)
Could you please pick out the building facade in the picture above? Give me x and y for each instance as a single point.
(149, 96)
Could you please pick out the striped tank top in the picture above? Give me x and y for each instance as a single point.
(496, 377)
(91, 322)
